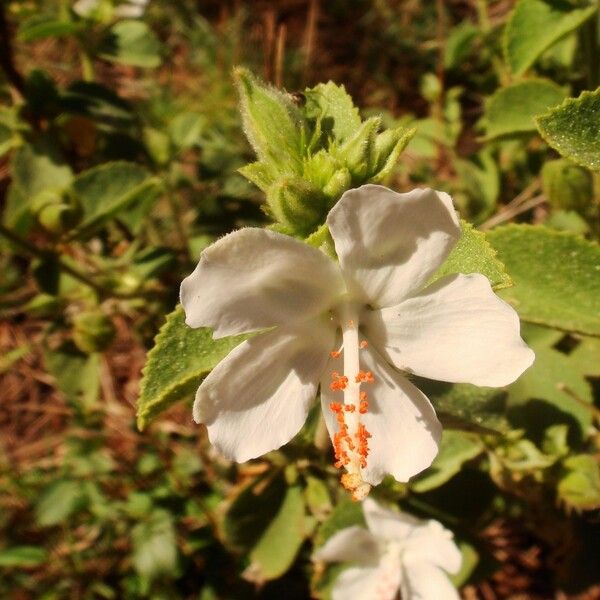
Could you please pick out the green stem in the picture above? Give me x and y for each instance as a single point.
(87, 66)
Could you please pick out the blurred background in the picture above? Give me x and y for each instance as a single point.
(120, 140)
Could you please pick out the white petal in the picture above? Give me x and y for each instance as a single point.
(253, 278)
(366, 583)
(390, 244)
(405, 432)
(422, 581)
(455, 330)
(432, 543)
(388, 524)
(353, 544)
(256, 399)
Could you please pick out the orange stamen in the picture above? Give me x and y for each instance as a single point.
(365, 376)
(363, 344)
(335, 354)
(349, 408)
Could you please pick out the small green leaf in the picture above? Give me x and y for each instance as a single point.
(474, 254)
(155, 546)
(459, 44)
(23, 557)
(105, 190)
(252, 510)
(38, 167)
(44, 26)
(131, 43)
(556, 276)
(457, 447)
(77, 374)
(271, 122)
(261, 174)
(181, 357)
(511, 110)
(330, 104)
(579, 489)
(58, 502)
(317, 497)
(278, 546)
(535, 25)
(573, 129)
(567, 186)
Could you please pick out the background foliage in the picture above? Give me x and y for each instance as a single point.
(123, 155)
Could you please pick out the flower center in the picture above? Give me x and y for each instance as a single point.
(351, 441)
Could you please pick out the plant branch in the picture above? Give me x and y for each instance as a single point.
(7, 61)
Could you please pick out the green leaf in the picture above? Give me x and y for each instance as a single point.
(535, 25)
(345, 514)
(330, 105)
(456, 448)
(317, 497)
(579, 489)
(271, 123)
(474, 254)
(44, 26)
(278, 546)
(181, 357)
(511, 110)
(112, 187)
(466, 407)
(573, 129)
(552, 391)
(567, 186)
(252, 510)
(58, 502)
(155, 546)
(23, 556)
(556, 276)
(459, 44)
(77, 374)
(38, 167)
(587, 356)
(131, 43)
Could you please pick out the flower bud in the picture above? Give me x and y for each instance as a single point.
(357, 152)
(567, 185)
(56, 211)
(297, 204)
(338, 184)
(93, 331)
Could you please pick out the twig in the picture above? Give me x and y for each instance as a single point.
(507, 215)
(516, 202)
(7, 61)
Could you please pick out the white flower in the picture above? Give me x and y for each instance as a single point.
(398, 552)
(373, 307)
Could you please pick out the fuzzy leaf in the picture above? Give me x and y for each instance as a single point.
(271, 123)
(180, 359)
(330, 104)
(573, 128)
(535, 25)
(474, 254)
(155, 545)
(556, 276)
(512, 109)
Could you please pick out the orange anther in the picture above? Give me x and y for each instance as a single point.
(364, 376)
(363, 396)
(364, 344)
(350, 323)
(349, 407)
(364, 407)
(335, 354)
(335, 407)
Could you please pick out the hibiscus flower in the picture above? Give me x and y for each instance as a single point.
(397, 552)
(354, 327)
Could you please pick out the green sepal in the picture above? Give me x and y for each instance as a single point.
(388, 146)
